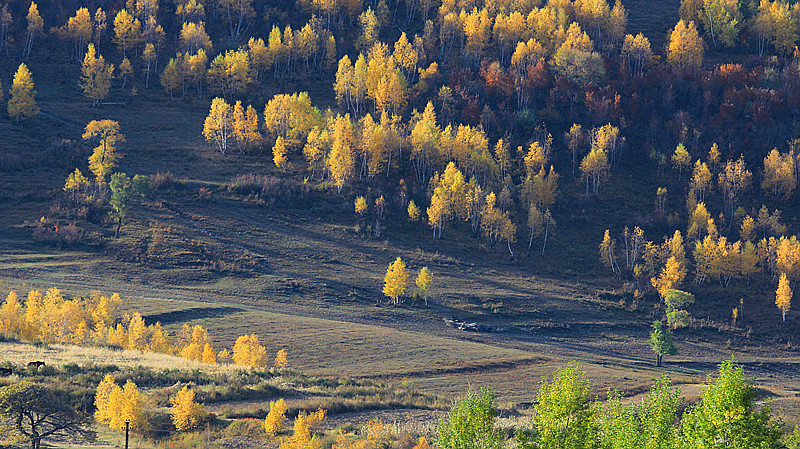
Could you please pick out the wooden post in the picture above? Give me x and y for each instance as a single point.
(127, 429)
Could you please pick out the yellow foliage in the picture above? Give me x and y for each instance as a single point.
(395, 280)
(248, 351)
(22, 104)
(186, 413)
(273, 423)
(281, 361)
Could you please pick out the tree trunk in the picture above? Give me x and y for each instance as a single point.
(658, 360)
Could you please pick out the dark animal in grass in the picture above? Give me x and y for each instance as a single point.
(37, 364)
(6, 371)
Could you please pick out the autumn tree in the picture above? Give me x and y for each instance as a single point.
(279, 153)
(34, 28)
(681, 159)
(414, 211)
(395, 281)
(79, 30)
(96, 75)
(281, 360)
(245, 126)
(171, 78)
(229, 73)
(341, 160)
(783, 296)
(186, 413)
(218, 126)
(248, 351)
(574, 138)
(273, 423)
(636, 50)
(576, 59)
(608, 248)
(779, 173)
(12, 316)
(22, 104)
(127, 31)
(105, 156)
(595, 168)
(424, 281)
(685, 50)
(734, 179)
(115, 405)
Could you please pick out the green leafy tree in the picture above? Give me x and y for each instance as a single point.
(661, 341)
(123, 189)
(470, 423)
(565, 416)
(38, 412)
(675, 302)
(648, 424)
(727, 416)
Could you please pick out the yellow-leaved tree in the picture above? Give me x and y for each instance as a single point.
(394, 284)
(279, 153)
(22, 104)
(424, 280)
(281, 360)
(273, 423)
(117, 405)
(783, 296)
(685, 50)
(218, 127)
(12, 316)
(105, 156)
(248, 351)
(186, 413)
(302, 437)
(96, 75)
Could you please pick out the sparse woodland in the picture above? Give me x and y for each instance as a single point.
(503, 127)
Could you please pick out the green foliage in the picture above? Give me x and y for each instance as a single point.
(122, 190)
(565, 417)
(727, 415)
(661, 341)
(470, 423)
(676, 301)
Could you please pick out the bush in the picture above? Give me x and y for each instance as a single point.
(269, 189)
(162, 181)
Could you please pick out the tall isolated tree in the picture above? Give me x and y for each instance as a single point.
(123, 189)
(218, 126)
(96, 75)
(38, 412)
(22, 104)
(104, 156)
(395, 281)
(783, 296)
(661, 341)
